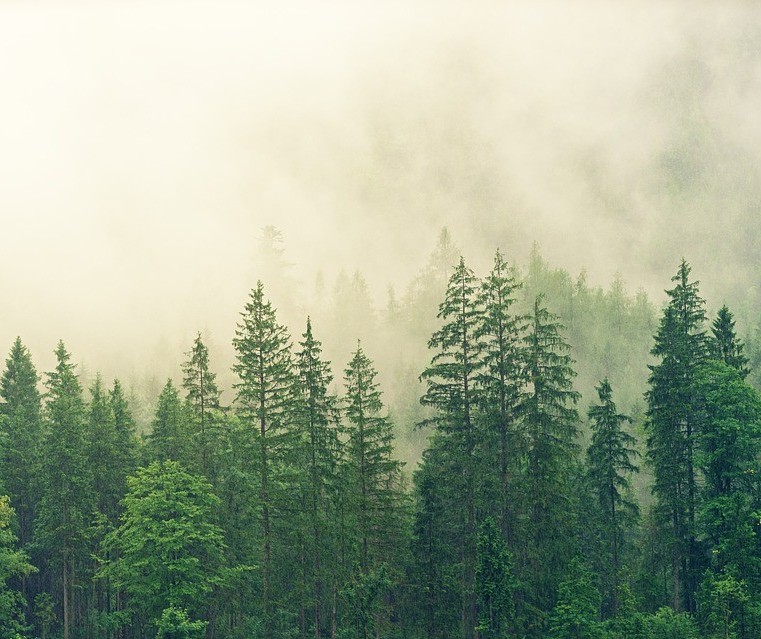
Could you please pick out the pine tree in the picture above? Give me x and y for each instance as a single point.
(502, 379)
(729, 457)
(451, 379)
(375, 482)
(318, 413)
(170, 436)
(725, 345)
(266, 393)
(21, 427)
(67, 504)
(609, 459)
(549, 421)
(125, 453)
(682, 346)
(202, 396)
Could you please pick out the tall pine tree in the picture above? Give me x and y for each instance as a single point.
(452, 390)
(67, 504)
(610, 461)
(266, 393)
(681, 345)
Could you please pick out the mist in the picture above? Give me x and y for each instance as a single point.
(144, 146)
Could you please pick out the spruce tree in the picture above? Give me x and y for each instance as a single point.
(681, 345)
(67, 503)
(21, 427)
(725, 345)
(501, 380)
(318, 413)
(266, 395)
(375, 483)
(609, 460)
(170, 433)
(549, 422)
(202, 396)
(451, 379)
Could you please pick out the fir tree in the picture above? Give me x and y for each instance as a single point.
(21, 428)
(725, 345)
(451, 379)
(318, 412)
(67, 504)
(502, 379)
(170, 436)
(202, 396)
(549, 420)
(682, 346)
(609, 459)
(266, 393)
(374, 478)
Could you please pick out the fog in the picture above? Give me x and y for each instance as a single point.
(144, 145)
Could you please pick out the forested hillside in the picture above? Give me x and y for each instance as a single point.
(496, 454)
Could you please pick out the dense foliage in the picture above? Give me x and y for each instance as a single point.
(536, 509)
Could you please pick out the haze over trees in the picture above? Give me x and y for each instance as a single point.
(578, 464)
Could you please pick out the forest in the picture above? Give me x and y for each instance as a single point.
(544, 460)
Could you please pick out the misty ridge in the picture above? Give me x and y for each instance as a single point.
(395, 321)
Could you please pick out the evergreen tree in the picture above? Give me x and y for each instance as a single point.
(729, 454)
(576, 614)
(170, 435)
(682, 346)
(266, 393)
(609, 459)
(451, 379)
(374, 481)
(67, 501)
(125, 450)
(20, 425)
(13, 564)
(502, 379)
(495, 583)
(318, 413)
(549, 420)
(202, 396)
(725, 345)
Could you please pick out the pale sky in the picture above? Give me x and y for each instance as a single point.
(144, 144)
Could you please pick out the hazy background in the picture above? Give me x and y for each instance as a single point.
(143, 146)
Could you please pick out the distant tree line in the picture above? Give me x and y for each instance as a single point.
(288, 514)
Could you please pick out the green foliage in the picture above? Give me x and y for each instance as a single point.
(549, 421)
(681, 346)
(167, 551)
(170, 437)
(175, 624)
(202, 396)
(13, 563)
(728, 456)
(495, 583)
(609, 463)
(726, 609)
(725, 346)
(20, 434)
(576, 614)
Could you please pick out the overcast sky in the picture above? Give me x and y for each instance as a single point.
(143, 145)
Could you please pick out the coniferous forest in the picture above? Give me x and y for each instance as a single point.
(589, 467)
